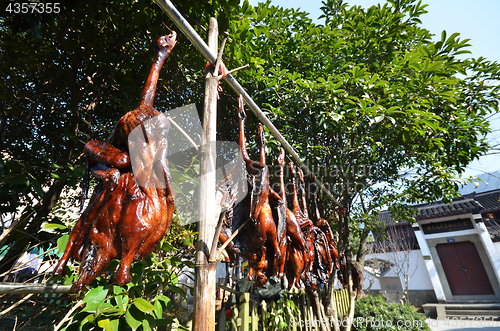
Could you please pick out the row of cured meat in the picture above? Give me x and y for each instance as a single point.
(125, 220)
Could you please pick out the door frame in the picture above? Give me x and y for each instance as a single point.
(474, 238)
(458, 254)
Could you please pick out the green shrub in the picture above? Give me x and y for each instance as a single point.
(373, 313)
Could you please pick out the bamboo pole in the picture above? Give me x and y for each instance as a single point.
(264, 315)
(245, 311)
(205, 271)
(209, 55)
(255, 316)
(16, 288)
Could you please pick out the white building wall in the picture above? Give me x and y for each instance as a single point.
(419, 277)
(497, 246)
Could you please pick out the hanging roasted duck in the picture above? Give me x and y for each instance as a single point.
(325, 227)
(306, 226)
(342, 275)
(127, 215)
(294, 248)
(318, 264)
(259, 240)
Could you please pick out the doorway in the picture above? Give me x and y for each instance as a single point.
(463, 269)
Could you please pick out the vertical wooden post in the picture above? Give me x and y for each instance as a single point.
(255, 316)
(222, 319)
(245, 311)
(264, 316)
(204, 303)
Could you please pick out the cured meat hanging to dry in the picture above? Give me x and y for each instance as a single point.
(322, 265)
(270, 225)
(127, 215)
(306, 226)
(260, 216)
(323, 225)
(357, 277)
(295, 248)
(261, 229)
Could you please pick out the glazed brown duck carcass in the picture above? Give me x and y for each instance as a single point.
(127, 215)
(343, 277)
(305, 225)
(259, 241)
(294, 247)
(319, 264)
(325, 227)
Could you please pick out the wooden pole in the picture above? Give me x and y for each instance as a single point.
(17, 288)
(205, 271)
(245, 311)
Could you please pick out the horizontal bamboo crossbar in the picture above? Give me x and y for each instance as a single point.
(201, 46)
(20, 288)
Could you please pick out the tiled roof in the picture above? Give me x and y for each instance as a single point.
(484, 202)
(385, 217)
(400, 236)
(455, 208)
(489, 200)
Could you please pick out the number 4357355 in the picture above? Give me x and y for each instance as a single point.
(31, 7)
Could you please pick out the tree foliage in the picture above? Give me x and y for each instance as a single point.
(68, 78)
(381, 113)
(384, 115)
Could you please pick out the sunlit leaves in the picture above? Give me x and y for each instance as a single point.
(370, 88)
(138, 305)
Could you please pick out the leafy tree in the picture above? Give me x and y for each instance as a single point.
(383, 115)
(67, 78)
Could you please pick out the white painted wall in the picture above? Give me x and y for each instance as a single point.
(497, 246)
(419, 277)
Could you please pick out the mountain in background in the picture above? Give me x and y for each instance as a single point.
(489, 181)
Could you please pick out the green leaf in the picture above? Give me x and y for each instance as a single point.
(106, 325)
(55, 176)
(91, 307)
(133, 318)
(145, 325)
(143, 305)
(158, 309)
(20, 181)
(443, 36)
(96, 295)
(244, 8)
(166, 300)
(262, 14)
(37, 187)
(112, 310)
(87, 319)
(51, 226)
(62, 241)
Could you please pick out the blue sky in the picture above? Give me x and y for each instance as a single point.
(477, 20)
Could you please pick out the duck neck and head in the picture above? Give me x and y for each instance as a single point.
(163, 46)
